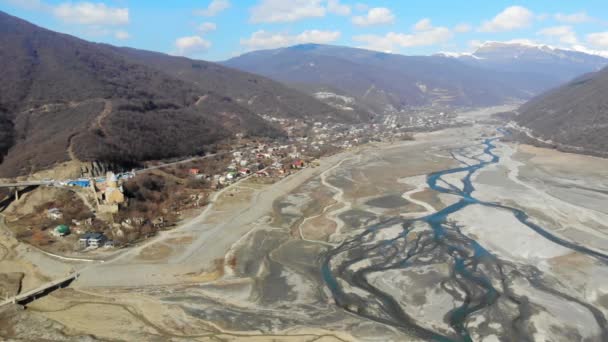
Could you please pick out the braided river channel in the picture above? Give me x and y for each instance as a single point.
(479, 281)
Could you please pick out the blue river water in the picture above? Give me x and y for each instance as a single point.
(463, 253)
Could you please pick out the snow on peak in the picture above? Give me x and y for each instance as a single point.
(525, 43)
(582, 49)
(457, 54)
(516, 43)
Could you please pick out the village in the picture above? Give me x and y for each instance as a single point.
(92, 216)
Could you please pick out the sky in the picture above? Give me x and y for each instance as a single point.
(220, 29)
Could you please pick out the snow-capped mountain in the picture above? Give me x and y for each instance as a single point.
(522, 56)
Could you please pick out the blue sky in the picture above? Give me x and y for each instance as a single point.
(220, 29)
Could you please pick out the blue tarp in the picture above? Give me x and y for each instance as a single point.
(83, 183)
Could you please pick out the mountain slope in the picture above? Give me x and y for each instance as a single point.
(258, 93)
(575, 114)
(375, 79)
(64, 98)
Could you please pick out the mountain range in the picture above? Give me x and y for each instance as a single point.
(63, 98)
(554, 65)
(383, 82)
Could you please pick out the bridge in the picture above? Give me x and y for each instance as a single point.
(31, 295)
(24, 184)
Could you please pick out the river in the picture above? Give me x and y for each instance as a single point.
(478, 279)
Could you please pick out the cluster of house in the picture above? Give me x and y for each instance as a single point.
(261, 160)
(279, 159)
(90, 240)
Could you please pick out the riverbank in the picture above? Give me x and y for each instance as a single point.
(206, 238)
(249, 266)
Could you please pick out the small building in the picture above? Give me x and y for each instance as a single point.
(54, 214)
(297, 164)
(194, 171)
(126, 175)
(158, 222)
(262, 173)
(92, 240)
(61, 230)
(221, 180)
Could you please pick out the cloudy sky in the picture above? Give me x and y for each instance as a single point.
(220, 29)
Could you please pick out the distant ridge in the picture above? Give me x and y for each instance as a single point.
(383, 82)
(555, 65)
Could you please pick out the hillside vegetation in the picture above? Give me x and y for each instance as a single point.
(575, 114)
(64, 98)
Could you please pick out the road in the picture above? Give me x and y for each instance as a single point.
(210, 240)
(140, 171)
(24, 184)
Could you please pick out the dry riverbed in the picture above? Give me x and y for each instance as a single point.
(249, 267)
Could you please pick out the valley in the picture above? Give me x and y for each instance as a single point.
(456, 235)
(218, 172)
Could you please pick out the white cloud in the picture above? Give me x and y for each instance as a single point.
(425, 34)
(512, 18)
(214, 8)
(193, 45)
(206, 27)
(598, 39)
(277, 11)
(463, 28)
(122, 35)
(391, 41)
(565, 34)
(281, 11)
(88, 13)
(423, 25)
(268, 40)
(574, 18)
(375, 16)
(335, 7)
